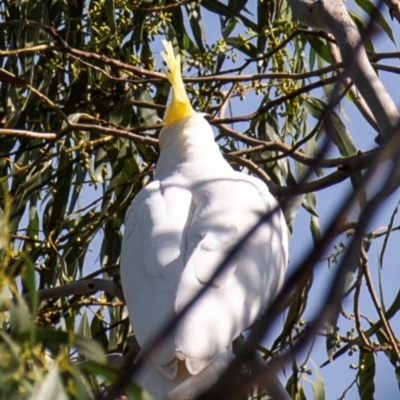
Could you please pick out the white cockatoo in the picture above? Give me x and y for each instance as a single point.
(178, 230)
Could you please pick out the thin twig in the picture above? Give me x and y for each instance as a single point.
(386, 325)
(357, 291)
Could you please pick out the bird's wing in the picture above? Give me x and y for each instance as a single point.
(151, 262)
(156, 219)
(224, 211)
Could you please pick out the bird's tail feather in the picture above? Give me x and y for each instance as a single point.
(185, 386)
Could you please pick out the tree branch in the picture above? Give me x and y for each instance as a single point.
(394, 9)
(75, 288)
(353, 92)
(332, 16)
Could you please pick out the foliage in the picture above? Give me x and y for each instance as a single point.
(82, 98)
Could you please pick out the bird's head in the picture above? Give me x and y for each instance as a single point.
(180, 106)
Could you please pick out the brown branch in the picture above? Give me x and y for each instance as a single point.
(78, 305)
(276, 102)
(119, 133)
(33, 49)
(374, 297)
(295, 152)
(332, 16)
(341, 162)
(365, 341)
(382, 56)
(268, 75)
(28, 134)
(73, 289)
(353, 92)
(87, 127)
(76, 54)
(162, 8)
(276, 49)
(394, 9)
(387, 68)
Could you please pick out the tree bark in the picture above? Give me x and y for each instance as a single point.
(332, 16)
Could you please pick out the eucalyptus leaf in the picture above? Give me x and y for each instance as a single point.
(366, 376)
(52, 387)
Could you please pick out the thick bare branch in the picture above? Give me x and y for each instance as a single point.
(353, 92)
(332, 16)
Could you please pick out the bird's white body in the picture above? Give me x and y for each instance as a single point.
(178, 230)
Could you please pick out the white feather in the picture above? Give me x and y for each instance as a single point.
(179, 229)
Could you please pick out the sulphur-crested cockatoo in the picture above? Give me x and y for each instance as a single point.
(178, 230)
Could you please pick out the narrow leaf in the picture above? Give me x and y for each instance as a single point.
(366, 385)
(51, 388)
(371, 9)
(318, 386)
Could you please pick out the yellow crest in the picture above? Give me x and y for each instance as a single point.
(180, 106)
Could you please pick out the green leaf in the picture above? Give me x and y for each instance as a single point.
(20, 317)
(196, 24)
(91, 349)
(397, 374)
(320, 48)
(122, 112)
(100, 164)
(111, 245)
(227, 27)
(80, 174)
(371, 9)
(221, 9)
(84, 329)
(99, 330)
(295, 391)
(351, 272)
(76, 94)
(330, 344)
(388, 232)
(315, 229)
(147, 116)
(362, 25)
(107, 372)
(51, 388)
(110, 11)
(311, 149)
(262, 20)
(33, 226)
(246, 48)
(10, 358)
(238, 5)
(138, 24)
(338, 133)
(29, 282)
(61, 195)
(3, 235)
(57, 339)
(318, 386)
(309, 203)
(366, 375)
(297, 307)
